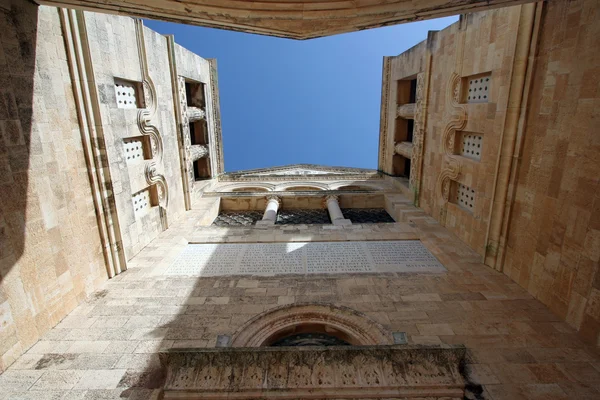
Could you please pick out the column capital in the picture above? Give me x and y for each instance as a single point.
(273, 197)
(333, 197)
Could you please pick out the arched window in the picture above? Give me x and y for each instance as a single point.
(309, 335)
(311, 324)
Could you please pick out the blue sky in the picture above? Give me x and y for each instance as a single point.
(286, 102)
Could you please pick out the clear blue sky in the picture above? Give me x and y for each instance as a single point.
(286, 102)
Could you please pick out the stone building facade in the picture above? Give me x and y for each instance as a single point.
(488, 157)
(466, 266)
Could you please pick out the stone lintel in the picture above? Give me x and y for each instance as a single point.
(314, 372)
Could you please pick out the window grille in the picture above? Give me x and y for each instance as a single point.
(465, 197)
(237, 218)
(299, 216)
(134, 150)
(127, 94)
(471, 145)
(141, 203)
(478, 89)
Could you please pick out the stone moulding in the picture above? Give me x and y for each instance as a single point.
(457, 115)
(374, 372)
(418, 143)
(457, 120)
(360, 329)
(92, 138)
(383, 118)
(144, 121)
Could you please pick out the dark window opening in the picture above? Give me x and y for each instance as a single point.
(310, 339)
(407, 168)
(237, 218)
(413, 91)
(302, 216)
(367, 215)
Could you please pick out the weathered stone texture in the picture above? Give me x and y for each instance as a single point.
(115, 53)
(482, 42)
(297, 20)
(50, 253)
(516, 347)
(553, 246)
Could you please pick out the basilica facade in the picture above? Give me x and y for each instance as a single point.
(465, 267)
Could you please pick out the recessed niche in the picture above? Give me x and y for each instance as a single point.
(137, 149)
(195, 93)
(476, 88)
(469, 144)
(128, 94)
(463, 196)
(143, 201)
(401, 166)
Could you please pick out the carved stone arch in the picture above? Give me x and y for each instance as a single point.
(359, 185)
(300, 186)
(245, 187)
(350, 325)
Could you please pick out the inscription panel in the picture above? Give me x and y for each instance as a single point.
(269, 259)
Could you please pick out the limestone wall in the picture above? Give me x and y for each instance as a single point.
(50, 252)
(116, 53)
(516, 348)
(553, 247)
(479, 43)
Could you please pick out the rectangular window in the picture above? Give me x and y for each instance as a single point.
(469, 144)
(476, 88)
(141, 203)
(137, 149)
(463, 196)
(144, 200)
(129, 94)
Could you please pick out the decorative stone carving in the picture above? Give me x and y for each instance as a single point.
(298, 172)
(195, 114)
(383, 117)
(359, 329)
(456, 114)
(406, 111)
(154, 178)
(145, 116)
(316, 373)
(276, 199)
(451, 171)
(197, 152)
(144, 120)
(457, 120)
(418, 132)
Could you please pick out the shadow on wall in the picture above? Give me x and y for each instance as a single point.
(18, 144)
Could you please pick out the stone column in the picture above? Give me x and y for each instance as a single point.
(335, 213)
(404, 149)
(270, 215)
(198, 151)
(406, 111)
(195, 114)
